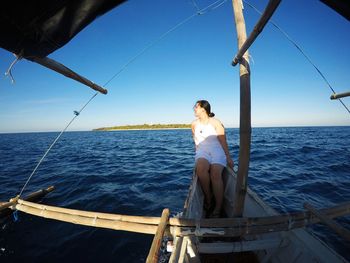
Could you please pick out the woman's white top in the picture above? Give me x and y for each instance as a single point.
(208, 144)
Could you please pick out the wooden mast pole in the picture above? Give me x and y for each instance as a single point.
(245, 119)
(265, 17)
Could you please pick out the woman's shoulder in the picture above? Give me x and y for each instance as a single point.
(194, 123)
(215, 121)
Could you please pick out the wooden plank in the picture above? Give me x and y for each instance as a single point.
(58, 67)
(343, 232)
(245, 114)
(231, 247)
(265, 17)
(157, 240)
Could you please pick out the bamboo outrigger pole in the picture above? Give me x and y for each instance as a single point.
(58, 67)
(179, 226)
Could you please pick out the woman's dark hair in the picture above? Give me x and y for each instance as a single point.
(205, 105)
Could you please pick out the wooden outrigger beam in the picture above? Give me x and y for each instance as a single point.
(182, 227)
(265, 17)
(340, 95)
(58, 67)
(341, 231)
(245, 115)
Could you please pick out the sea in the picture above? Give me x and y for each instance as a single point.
(141, 172)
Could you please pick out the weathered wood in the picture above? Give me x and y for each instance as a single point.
(6, 205)
(265, 17)
(175, 255)
(231, 247)
(267, 221)
(58, 67)
(340, 95)
(157, 240)
(287, 219)
(260, 225)
(38, 194)
(245, 115)
(343, 232)
(31, 197)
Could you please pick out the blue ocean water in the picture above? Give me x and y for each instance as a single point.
(142, 172)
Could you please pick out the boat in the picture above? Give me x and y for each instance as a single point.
(251, 231)
(267, 244)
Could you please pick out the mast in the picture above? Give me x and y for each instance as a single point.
(242, 57)
(245, 115)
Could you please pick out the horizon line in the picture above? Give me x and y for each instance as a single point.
(228, 127)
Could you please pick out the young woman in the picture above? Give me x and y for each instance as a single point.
(212, 154)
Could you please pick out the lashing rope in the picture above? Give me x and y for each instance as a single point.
(8, 73)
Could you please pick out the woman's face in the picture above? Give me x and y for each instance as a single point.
(197, 110)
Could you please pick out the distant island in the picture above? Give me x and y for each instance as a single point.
(145, 127)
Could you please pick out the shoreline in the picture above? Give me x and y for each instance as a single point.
(139, 129)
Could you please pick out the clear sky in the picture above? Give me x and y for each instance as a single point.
(191, 63)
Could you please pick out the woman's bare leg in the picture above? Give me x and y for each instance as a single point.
(218, 186)
(202, 171)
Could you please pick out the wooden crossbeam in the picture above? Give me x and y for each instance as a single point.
(183, 227)
(343, 232)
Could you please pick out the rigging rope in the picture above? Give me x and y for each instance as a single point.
(54, 142)
(9, 70)
(301, 51)
(205, 10)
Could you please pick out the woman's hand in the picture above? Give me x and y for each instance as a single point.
(230, 162)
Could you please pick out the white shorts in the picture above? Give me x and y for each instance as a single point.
(213, 157)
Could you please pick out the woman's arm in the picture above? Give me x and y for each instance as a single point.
(220, 130)
(193, 126)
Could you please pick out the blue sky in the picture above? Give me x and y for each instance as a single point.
(191, 63)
